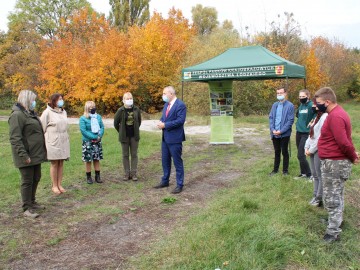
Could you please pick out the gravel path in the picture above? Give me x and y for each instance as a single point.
(146, 125)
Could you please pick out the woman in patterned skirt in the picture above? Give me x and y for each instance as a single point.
(92, 130)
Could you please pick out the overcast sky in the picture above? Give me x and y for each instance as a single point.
(330, 18)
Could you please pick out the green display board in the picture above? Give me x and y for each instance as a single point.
(221, 112)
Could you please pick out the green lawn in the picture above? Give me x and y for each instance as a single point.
(5, 112)
(262, 222)
(255, 223)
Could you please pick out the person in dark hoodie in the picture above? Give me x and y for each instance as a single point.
(28, 149)
(304, 115)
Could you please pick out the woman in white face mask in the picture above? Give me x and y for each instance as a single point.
(127, 121)
(55, 125)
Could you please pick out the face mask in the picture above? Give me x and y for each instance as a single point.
(32, 105)
(303, 100)
(60, 103)
(129, 102)
(280, 98)
(314, 109)
(165, 98)
(93, 111)
(321, 107)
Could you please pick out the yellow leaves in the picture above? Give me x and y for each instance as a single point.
(315, 78)
(90, 60)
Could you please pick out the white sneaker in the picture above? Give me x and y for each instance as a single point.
(309, 179)
(315, 202)
(30, 214)
(312, 200)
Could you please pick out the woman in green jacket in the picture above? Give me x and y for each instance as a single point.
(127, 121)
(28, 149)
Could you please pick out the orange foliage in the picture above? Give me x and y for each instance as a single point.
(334, 60)
(78, 62)
(91, 61)
(315, 78)
(155, 55)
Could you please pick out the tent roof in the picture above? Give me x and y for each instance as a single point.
(244, 63)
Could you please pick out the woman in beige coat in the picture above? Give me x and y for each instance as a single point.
(55, 126)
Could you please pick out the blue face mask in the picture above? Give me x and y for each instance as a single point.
(60, 103)
(165, 98)
(280, 97)
(32, 105)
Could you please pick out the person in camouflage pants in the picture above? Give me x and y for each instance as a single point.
(337, 153)
(334, 174)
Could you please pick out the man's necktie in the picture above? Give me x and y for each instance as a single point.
(167, 110)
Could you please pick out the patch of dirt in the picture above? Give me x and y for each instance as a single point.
(104, 243)
(107, 244)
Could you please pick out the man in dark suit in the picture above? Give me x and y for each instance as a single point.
(172, 125)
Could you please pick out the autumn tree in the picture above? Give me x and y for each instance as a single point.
(142, 61)
(336, 62)
(19, 58)
(284, 39)
(156, 52)
(315, 77)
(204, 19)
(353, 89)
(3, 52)
(126, 13)
(227, 24)
(45, 15)
(203, 48)
(76, 65)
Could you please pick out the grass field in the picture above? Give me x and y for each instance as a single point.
(254, 222)
(263, 223)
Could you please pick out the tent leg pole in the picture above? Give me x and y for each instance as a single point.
(304, 83)
(287, 88)
(287, 84)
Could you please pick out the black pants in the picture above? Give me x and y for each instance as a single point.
(281, 145)
(30, 177)
(300, 144)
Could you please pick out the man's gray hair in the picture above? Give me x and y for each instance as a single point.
(25, 98)
(171, 89)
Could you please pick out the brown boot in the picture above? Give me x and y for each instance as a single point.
(134, 176)
(126, 177)
(30, 214)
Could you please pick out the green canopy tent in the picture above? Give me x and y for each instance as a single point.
(244, 63)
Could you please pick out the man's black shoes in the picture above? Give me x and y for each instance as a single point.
(273, 173)
(161, 185)
(176, 190)
(331, 238)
